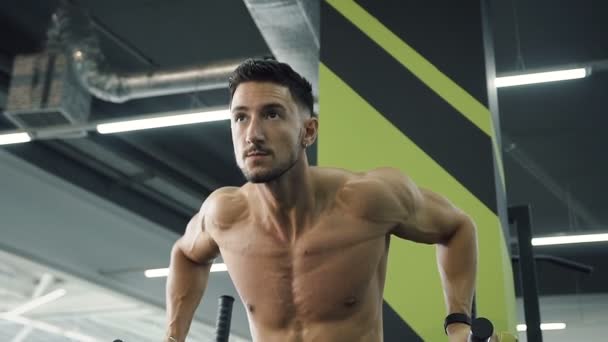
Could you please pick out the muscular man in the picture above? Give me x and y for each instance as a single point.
(306, 247)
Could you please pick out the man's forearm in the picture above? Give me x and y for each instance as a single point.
(457, 261)
(186, 284)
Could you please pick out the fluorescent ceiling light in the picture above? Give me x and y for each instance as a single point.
(566, 239)
(163, 272)
(14, 138)
(163, 121)
(34, 303)
(156, 273)
(219, 268)
(49, 328)
(78, 336)
(544, 326)
(550, 76)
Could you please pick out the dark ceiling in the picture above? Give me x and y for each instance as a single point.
(553, 135)
(555, 156)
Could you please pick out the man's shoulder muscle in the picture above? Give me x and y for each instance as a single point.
(381, 194)
(217, 211)
(224, 207)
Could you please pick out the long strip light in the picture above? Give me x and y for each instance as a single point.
(34, 303)
(163, 121)
(544, 326)
(49, 328)
(163, 272)
(14, 138)
(540, 77)
(567, 239)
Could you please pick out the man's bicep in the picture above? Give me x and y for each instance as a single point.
(196, 243)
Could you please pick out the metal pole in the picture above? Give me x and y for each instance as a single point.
(520, 215)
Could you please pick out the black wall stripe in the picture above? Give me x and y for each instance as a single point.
(395, 329)
(460, 55)
(435, 126)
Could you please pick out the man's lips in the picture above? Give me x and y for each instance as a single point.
(256, 154)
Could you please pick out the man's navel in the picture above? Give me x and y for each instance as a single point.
(350, 301)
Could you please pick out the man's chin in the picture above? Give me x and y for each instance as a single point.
(260, 179)
(256, 180)
(264, 175)
(260, 176)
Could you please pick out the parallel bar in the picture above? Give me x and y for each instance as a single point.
(520, 215)
(224, 317)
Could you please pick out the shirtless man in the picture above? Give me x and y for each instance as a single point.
(306, 247)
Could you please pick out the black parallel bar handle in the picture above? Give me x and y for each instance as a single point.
(481, 330)
(224, 316)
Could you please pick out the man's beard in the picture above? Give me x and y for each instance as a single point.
(272, 174)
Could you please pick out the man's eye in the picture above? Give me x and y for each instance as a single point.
(239, 118)
(272, 115)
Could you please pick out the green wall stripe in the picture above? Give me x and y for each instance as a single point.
(446, 33)
(451, 92)
(454, 142)
(460, 56)
(413, 287)
(454, 94)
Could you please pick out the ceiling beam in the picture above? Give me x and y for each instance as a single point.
(157, 165)
(204, 180)
(79, 173)
(122, 43)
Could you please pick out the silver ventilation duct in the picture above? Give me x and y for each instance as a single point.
(291, 31)
(73, 31)
(44, 92)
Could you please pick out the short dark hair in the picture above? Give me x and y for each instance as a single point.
(271, 70)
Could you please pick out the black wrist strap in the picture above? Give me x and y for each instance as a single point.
(456, 318)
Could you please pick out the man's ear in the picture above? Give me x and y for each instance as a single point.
(311, 127)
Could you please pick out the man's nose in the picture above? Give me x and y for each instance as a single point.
(255, 133)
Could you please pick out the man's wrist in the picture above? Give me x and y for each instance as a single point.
(171, 338)
(456, 318)
(456, 328)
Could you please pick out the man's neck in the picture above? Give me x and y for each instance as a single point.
(289, 201)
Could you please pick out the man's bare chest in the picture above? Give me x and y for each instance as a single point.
(325, 273)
